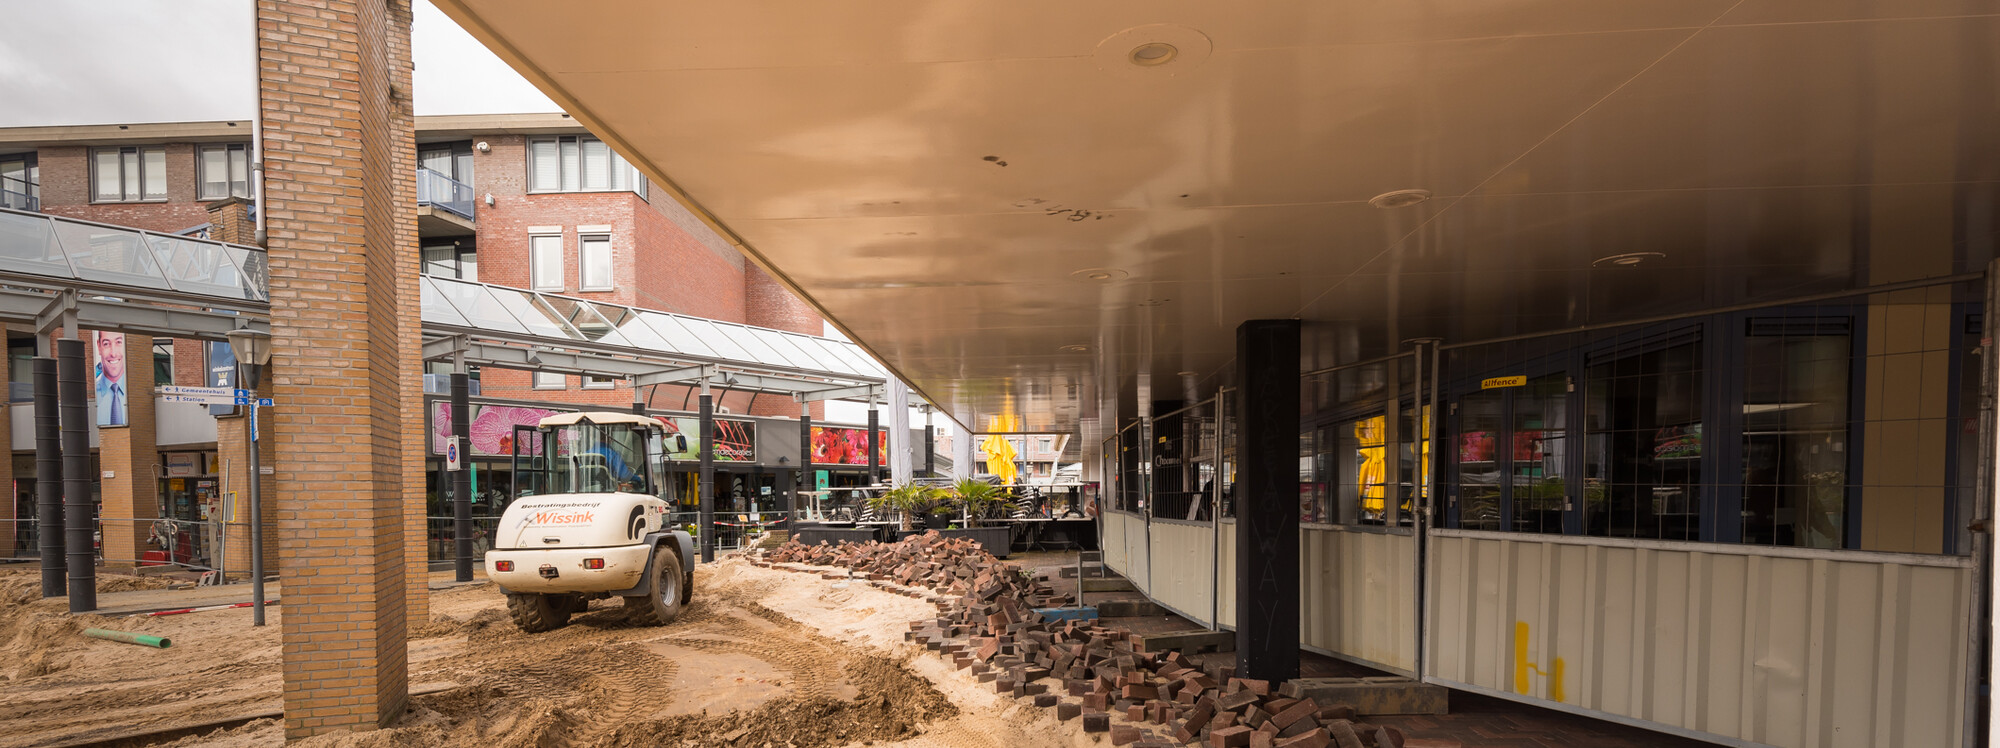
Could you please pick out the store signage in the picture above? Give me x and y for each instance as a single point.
(1498, 382)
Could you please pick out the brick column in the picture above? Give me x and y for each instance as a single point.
(334, 93)
(131, 492)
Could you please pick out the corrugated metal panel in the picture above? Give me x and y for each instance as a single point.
(1183, 567)
(1113, 541)
(1358, 595)
(1137, 557)
(1228, 589)
(1767, 646)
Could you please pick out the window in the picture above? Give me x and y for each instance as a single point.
(1644, 446)
(579, 163)
(598, 383)
(163, 362)
(594, 262)
(548, 380)
(453, 160)
(452, 261)
(129, 174)
(1795, 423)
(20, 181)
(225, 170)
(545, 262)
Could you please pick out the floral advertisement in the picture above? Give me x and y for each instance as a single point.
(492, 428)
(734, 440)
(838, 446)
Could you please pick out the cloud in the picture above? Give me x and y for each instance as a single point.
(128, 61)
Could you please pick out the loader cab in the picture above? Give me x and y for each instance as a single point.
(592, 453)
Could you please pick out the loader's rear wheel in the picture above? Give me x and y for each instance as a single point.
(538, 613)
(664, 603)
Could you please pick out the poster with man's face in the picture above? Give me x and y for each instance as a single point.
(111, 379)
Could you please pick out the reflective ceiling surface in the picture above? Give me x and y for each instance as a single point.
(944, 179)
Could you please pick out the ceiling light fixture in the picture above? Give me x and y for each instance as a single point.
(1074, 348)
(1153, 53)
(1627, 260)
(1100, 275)
(1399, 199)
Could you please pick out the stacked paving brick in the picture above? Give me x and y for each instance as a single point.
(988, 624)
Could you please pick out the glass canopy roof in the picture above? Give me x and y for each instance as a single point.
(66, 248)
(564, 320)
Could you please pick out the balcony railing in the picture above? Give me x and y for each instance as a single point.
(19, 194)
(440, 191)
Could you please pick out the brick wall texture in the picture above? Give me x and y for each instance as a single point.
(334, 96)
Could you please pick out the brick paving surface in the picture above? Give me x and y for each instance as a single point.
(1475, 721)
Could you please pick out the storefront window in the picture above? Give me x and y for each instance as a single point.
(1479, 427)
(1643, 464)
(1362, 459)
(1795, 395)
(1540, 455)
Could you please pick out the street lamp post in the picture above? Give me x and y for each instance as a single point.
(253, 351)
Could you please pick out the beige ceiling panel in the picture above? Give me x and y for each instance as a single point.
(1799, 104)
(1798, 11)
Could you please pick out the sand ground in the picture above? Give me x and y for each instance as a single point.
(760, 658)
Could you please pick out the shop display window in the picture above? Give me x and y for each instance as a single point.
(1644, 442)
(1795, 432)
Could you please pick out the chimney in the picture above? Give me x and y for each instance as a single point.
(229, 221)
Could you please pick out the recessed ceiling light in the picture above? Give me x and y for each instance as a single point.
(1153, 53)
(1100, 275)
(1189, 374)
(1399, 198)
(1074, 348)
(1628, 259)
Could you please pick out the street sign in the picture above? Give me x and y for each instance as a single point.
(229, 392)
(215, 399)
(451, 459)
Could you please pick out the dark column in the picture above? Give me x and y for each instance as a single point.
(461, 479)
(805, 458)
(82, 559)
(1267, 515)
(707, 478)
(930, 451)
(874, 446)
(48, 477)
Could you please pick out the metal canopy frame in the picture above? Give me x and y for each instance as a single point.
(509, 328)
(64, 272)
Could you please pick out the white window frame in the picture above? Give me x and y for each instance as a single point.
(232, 154)
(141, 173)
(536, 263)
(584, 280)
(596, 383)
(549, 380)
(573, 170)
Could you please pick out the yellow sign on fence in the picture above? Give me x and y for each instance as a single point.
(1498, 382)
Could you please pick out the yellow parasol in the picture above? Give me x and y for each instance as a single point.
(999, 453)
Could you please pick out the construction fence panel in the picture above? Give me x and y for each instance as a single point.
(1781, 647)
(1358, 595)
(1183, 568)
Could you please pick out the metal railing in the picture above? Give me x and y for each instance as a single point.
(440, 191)
(19, 194)
(154, 542)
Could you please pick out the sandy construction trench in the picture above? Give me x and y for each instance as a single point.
(759, 658)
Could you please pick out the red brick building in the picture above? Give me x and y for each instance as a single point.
(521, 200)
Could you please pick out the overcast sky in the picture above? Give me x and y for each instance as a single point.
(121, 61)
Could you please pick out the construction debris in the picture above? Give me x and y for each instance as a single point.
(988, 624)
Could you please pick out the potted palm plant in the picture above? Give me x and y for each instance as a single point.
(908, 501)
(977, 498)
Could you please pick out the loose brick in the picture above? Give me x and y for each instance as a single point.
(1096, 722)
(1229, 737)
(1068, 710)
